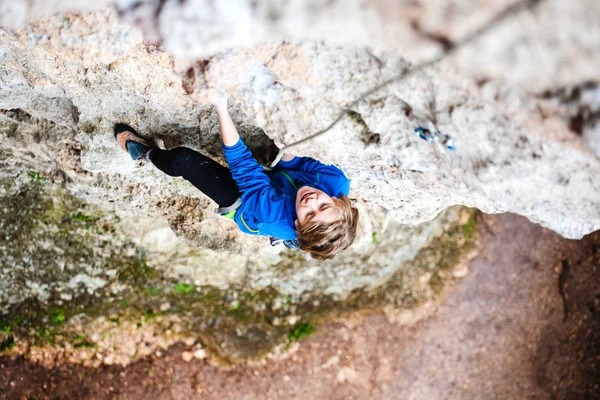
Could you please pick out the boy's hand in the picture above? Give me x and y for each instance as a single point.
(286, 156)
(228, 131)
(218, 98)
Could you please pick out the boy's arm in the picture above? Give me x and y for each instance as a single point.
(258, 196)
(286, 156)
(307, 164)
(254, 185)
(290, 161)
(229, 134)
(335, 176)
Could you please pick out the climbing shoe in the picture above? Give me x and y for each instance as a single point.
(128, 140)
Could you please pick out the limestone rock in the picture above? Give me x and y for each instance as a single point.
(402, 173)
(291, 90)
(541, 49)
(536, 49)
(67, 185)
(553, 44)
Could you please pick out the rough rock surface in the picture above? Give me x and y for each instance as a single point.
(542, 50)
(497, 160)
(544, 43)
(290, 90)
(500, 332)
(66, 80)
(538, 49)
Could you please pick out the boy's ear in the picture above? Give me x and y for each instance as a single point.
(297, 224)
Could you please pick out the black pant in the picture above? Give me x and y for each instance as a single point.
(213, 179)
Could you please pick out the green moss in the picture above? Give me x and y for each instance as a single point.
(87, 221)
(469, 229)
(44, 213)
(85, 344)
(301, 331)
(7, 344)
(36, 177)
(150, 314)
(81, 342)
(45, 334)
(234, 323)
(183, 288)
(151, 291)
(136, 271)
(56, 316)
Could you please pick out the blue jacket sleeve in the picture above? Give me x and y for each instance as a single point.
(258, 196)
(309, 165)
(332, 177)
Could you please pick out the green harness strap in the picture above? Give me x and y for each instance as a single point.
(230, 215)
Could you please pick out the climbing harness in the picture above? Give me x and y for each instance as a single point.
(224, 211)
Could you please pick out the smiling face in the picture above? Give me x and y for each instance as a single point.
(314, 205)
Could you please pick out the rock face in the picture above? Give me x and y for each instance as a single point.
(406, 176)
(67, 79)
(544, 42)
(541, 48)
(538, 49)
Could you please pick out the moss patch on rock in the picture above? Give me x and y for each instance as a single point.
(75, 283)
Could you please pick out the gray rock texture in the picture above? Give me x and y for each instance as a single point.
(87, 82)
(67, 79)
(551, 45)
(543, 43)
(554, 43)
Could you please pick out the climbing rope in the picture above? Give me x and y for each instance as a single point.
(449, 48)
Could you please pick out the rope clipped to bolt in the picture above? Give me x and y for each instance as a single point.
(449, 48)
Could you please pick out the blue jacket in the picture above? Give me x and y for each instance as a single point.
(269, 197)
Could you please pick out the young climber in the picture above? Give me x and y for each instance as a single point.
(300, 198)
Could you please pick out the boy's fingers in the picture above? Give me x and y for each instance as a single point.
(217, 97)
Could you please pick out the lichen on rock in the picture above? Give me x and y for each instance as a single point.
(112, 259)
(76, 288)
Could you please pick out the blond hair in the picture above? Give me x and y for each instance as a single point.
(323, 240)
